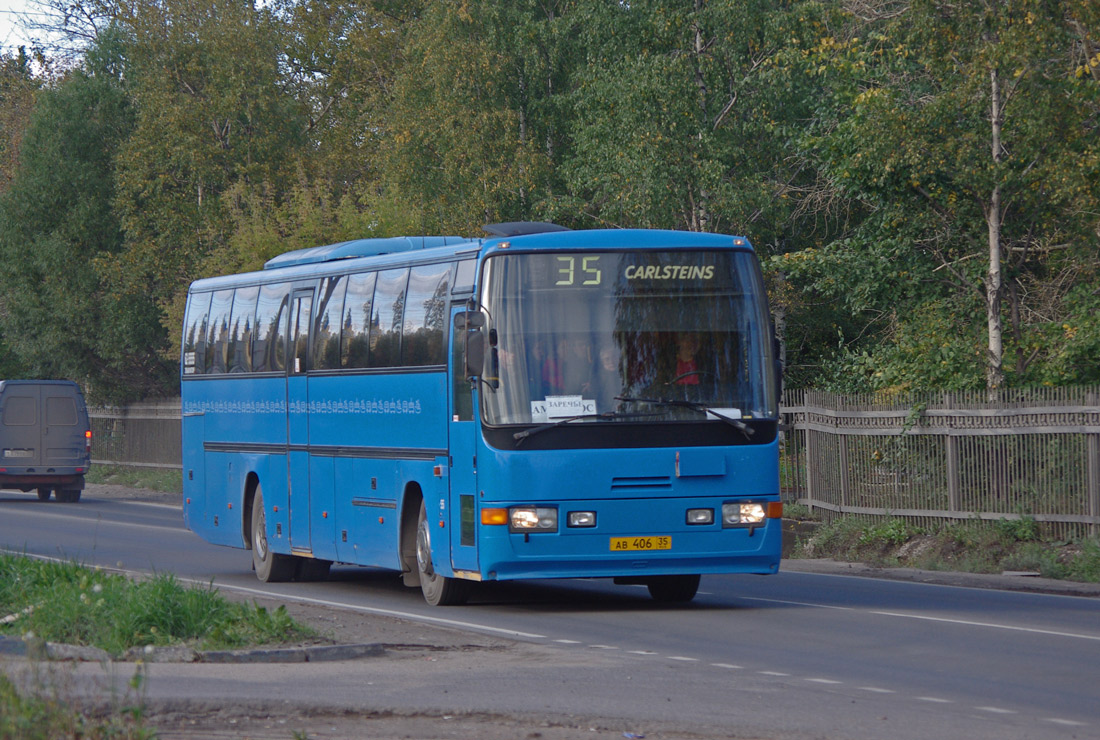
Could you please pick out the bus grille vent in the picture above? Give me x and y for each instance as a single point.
(650, 483)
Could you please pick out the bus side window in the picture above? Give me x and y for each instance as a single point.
(462, 390)
(388, 318)
(217, 342)
(240, 329)
(194, 334)
(268, 351)
(425, 315)
(464, 276)
(355, 329)
(326, 332)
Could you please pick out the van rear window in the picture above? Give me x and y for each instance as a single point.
(19, 411)
(60, 412)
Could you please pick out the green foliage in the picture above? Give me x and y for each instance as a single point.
(156, 479)
(63, 602)
(1023, 529)
(200, 137)
(47, 714)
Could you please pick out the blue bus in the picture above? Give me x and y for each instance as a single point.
(540, 403)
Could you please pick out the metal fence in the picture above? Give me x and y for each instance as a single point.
(142, 435)
(950, 456)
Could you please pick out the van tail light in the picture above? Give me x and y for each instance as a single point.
(88, 442)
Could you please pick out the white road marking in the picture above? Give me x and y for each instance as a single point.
(877, 690)
(1066, 722)
(823, 680)
(944, 620)
(727, 665)
(935, 700)
(683, 658)
(996, 710)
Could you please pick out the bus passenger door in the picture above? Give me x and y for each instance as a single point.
(297, 406)
(462, 452)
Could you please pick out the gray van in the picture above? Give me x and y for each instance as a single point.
(45, 438)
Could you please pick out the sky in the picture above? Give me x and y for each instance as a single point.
(11, 36)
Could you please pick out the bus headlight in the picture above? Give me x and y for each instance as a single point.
(743, 514)
(532, 519)
(700, 516)
(582, 519)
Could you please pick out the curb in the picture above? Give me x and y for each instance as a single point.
(37, 650)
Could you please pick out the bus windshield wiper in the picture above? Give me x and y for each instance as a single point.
(735, 423)
(607, 415)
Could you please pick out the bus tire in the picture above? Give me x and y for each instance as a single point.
(673, 589)
(270, 567)
(44, 493)
(438, 590)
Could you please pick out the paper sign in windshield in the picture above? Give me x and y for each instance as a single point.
(553, 408)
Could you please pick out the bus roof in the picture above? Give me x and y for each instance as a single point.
(430, 248)
(361, 248)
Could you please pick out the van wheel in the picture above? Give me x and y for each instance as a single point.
(270, 567)
(438, 590)
(68, 495)
(44, 494)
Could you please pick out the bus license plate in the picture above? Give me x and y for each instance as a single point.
(626, 544)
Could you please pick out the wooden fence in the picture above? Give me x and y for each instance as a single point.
(950, 456)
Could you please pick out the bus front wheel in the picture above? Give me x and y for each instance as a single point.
(438, 590)
(673, 589)
(270, 567)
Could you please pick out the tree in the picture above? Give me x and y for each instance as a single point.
(967, 134)
(57, 224)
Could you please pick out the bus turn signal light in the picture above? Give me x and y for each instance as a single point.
(775, 509)
(494, 516)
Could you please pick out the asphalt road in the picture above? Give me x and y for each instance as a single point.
(793, 655)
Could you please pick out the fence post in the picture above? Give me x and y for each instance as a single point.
(811, 465)
(953, 502)
(1093, 447)
(842, 448)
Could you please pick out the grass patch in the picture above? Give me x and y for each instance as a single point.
(970, 547)
(46, 714)
(68, 603)
(155, 479)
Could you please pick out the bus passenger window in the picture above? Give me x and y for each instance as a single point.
(217, 341)
(268, 352)
(425, 312)
(194, 334)
(355, 326)
(240, 330)
(388, 317)
(326, 332)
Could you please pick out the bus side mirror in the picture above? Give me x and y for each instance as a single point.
(470, 324)
(475, 352)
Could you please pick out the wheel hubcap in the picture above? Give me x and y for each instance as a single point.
(261, 537)
(424, 549)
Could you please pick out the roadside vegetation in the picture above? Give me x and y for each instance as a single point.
(1018, 545)
(68, 603)
(49, 715)
(155, 479)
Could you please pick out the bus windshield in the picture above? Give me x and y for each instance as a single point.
(619, 335)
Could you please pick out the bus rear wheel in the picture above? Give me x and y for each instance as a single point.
(271, 567)
(673, 589)
(438, 590)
